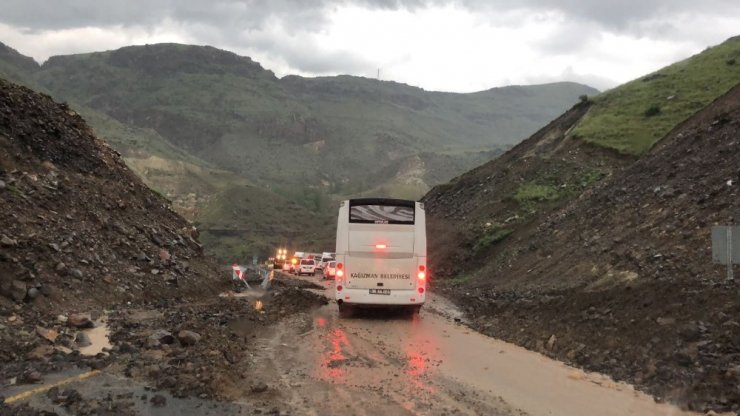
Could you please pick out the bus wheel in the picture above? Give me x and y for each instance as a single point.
(345, 311)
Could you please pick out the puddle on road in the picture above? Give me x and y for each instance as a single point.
(99, 338)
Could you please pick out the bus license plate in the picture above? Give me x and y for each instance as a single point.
(380, 291)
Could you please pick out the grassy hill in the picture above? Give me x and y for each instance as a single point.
(590, 240)
(634, 116)
(478, 212)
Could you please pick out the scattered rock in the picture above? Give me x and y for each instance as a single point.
(33, 293)
(47, 334)
(158, 240)
(55, 247)
(162, 336)
(65, 398)
(158, 400)
(188, 337)
(77, 273)
(108, 279)
(260, 387)
(17, 290)
(665, 321)
(7, 241)
(551, 342)
(79, 320)
(164, 256)
(690, 332)
(40, 352)
(82, 340)
(30, 377)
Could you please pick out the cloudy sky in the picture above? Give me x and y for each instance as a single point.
(462, 46)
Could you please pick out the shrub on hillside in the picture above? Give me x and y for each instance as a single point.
(653, 110)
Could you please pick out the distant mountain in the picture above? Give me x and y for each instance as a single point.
(304, 139)
(16, 67)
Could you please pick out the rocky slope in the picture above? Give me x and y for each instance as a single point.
(620, 278)
(90, 255)
(79, 230)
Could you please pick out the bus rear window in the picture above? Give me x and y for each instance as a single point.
(381, 214)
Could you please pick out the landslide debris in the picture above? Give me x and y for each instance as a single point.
(86, 246)
(620, 280)
(204, 350)
(79, 233)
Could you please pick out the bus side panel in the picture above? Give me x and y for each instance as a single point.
(342, 233)
(420, 239)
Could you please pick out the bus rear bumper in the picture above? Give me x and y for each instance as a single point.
(362, 297)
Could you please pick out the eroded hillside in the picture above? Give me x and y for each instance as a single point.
(618, 278)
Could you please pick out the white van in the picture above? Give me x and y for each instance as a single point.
(306, 266)
(381, 254)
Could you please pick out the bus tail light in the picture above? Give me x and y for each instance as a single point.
(340, 271)
(339, 288)
(421, 290)
(422, 272)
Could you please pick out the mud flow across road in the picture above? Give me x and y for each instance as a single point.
(286, 351)
(383, 363)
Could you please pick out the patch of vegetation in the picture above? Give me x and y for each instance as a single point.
(618, 118)
(458, 280)
(653, 110)
(492, 237)
(591, 177)
(530, 192)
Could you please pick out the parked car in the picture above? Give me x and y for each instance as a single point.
(286, 266)
(307, 267)
(330, 270)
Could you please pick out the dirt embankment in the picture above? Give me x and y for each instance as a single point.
(482, 203)
(79, 231)
(620, 280)
(84, 243)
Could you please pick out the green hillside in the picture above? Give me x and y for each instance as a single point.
(195, 121)
(633, 117)
(246, 220)
(341, 134)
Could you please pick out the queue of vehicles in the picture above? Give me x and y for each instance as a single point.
(305, 263)
(380, 257)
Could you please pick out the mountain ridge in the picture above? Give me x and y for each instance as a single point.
(311, 140)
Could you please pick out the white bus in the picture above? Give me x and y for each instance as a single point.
(381, 254)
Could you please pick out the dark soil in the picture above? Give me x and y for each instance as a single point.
(80, 232)
(82, 238)
(620, 278)
(219, 364)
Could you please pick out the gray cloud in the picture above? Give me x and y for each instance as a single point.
(309, 15)
(283, 29)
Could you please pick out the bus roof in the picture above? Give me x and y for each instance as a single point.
(383, 201)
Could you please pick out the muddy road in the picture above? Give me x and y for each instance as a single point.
(384, 363)
(312, 362)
